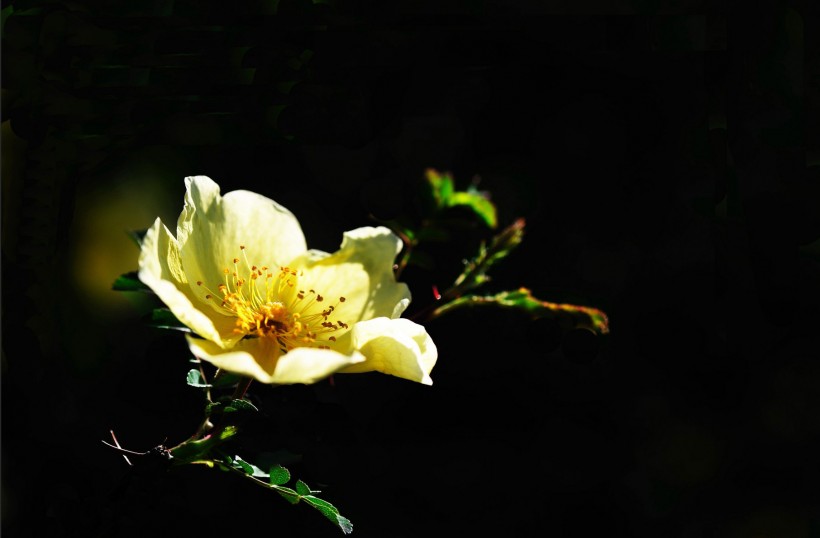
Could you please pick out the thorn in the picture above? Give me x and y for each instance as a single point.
(436, 294)
(117, 443)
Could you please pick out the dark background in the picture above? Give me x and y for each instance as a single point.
(665, 158)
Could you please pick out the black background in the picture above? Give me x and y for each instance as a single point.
(665, 159)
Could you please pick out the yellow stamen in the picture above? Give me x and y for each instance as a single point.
(268, 305)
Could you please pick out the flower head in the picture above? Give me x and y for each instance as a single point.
(240, 276)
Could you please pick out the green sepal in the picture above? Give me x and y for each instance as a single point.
(478, 202)
(278, 475)
(245, 466)
(130, 282)
(522, 299)
(195, 379)
(162, 318)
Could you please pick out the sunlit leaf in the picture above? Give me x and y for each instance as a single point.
(441, 187)
(278, 475)
(240, 405)
(195, 379)
(330, 512)
(444, 195)
(303, 488)
(246, 467)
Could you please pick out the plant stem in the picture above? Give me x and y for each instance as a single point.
(242, 387)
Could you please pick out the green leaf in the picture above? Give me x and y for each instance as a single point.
(330, 512)
(195, 379)
(240, 405)
(162, 318)
(278, 475)
(239, 463)
(441, 187)
(303, 488)
(130, 282)
(444, 195)
(479, 203)
(291, 496)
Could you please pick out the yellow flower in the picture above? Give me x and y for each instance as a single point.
(240, 276)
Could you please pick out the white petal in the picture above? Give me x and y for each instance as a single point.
(260, 358)
(212, 229)
(397, 347)
(160, 270)
(361, 271)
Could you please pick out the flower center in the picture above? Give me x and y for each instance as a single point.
(271, 304)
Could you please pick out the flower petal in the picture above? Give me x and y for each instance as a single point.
(161, 270)
(261, 359)
(362, 272)
(396, 347)
(212, 229)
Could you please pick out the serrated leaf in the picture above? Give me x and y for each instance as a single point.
(278, 475)
(522, 299)
(130, 282)
(196, 450)
(239, 463)
(330, 512)
(302, 488)
(195, 379)
(291, 496)
(240, 405)
(162, 318)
